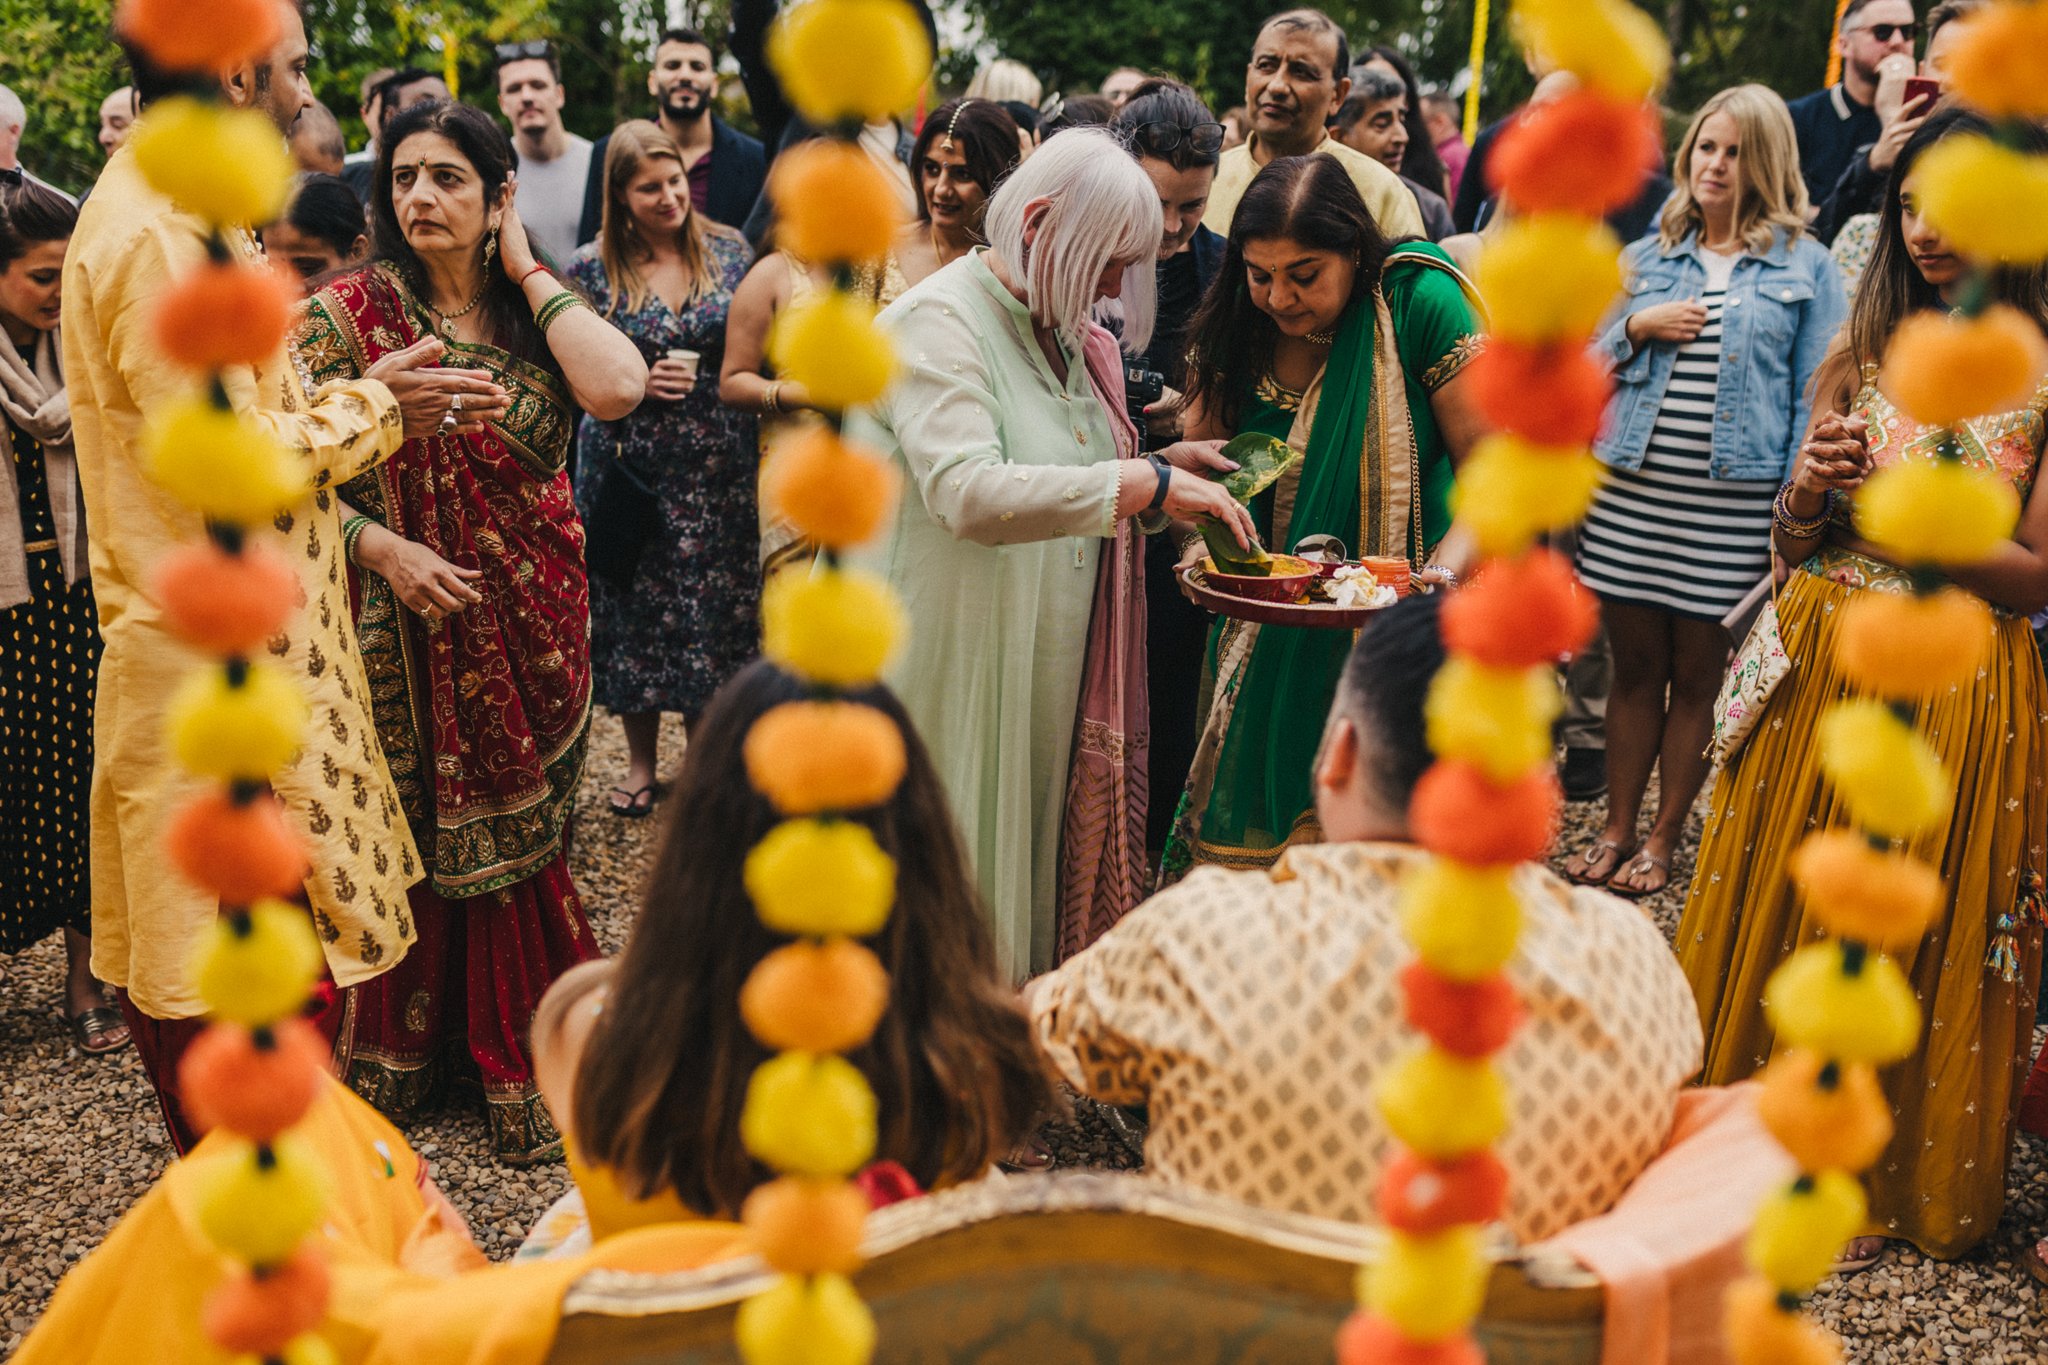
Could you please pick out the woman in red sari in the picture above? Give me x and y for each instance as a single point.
(473, 613)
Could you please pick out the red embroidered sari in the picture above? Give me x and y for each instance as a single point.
(483, 719)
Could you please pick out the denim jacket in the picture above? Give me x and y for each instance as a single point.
(1781, 313)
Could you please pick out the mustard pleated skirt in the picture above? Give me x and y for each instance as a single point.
(1941, 1183)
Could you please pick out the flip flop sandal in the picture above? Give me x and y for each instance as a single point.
(1029, 1157)
(1597, 848)
(1639, 865)
(635, 807)
(99, 1021)
(1851, 1265)
(2035, 1260)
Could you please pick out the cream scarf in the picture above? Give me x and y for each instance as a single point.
(33, 397)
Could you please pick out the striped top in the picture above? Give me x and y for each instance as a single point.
(1669, 535)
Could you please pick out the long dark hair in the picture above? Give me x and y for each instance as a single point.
(1893, 288)
(986, 137)
(1307, 199)
(1420, 161)
(507, 318)
(659, 1090)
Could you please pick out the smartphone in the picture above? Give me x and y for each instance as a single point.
(1922, 95)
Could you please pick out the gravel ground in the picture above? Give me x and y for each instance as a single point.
(82, 1141)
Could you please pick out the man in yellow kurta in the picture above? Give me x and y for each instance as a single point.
(1297, 79)
(131, 243)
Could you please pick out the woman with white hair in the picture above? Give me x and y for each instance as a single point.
(1008, 425)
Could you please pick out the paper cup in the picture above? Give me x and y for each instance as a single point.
(690, 360)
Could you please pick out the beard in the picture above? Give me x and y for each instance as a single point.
(685, 103)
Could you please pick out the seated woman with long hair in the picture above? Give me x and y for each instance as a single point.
(1320, 333)
(644, 1059)
(1941, 1183)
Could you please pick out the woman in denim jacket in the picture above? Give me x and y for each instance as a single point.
(1730, 308)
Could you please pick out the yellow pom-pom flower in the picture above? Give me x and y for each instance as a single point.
(1497, 718)
(832, 346)
(229, 166)
(259, 1212)
(1759, 1330)
(1801, 1228)
(1512, 491)
(1444, 1106)
(821, 877)
(1943, 370)
(1549, 278)
(259, 977)
(1462, 920)
(1999, 62)
(1885, 899)
(307, 1348)
(816, 1320)
(1841, 1127)
(1989, 201)
(833, 203)
(839, 627)
(808, 757)
(1908, 647)
(221, 464)
(809, 1114)
(1609, 44)
(1937, 511)
(850, 59)
(237, 734)
(1890, 778)
(1430, 1287)
(1814, 1003)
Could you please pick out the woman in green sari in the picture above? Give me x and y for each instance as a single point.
(1318, 333)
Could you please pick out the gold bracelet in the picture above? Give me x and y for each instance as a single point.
(771, 399)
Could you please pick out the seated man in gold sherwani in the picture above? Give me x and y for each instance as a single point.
(1253, 1012)
(131, 244)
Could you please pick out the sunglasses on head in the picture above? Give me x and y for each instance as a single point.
(515, 52)
(1160, 139)
(1884, 33)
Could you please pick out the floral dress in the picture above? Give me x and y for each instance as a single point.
(689, 620)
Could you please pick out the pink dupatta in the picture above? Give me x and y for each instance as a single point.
(1102, 836)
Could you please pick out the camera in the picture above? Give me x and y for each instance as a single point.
(1142, 388)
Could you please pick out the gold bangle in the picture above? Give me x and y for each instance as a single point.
(771, 399)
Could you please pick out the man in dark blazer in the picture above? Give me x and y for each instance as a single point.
(726, 167)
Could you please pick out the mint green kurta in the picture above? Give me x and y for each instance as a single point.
(1009, 489)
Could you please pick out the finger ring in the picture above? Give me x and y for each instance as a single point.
(448, 420)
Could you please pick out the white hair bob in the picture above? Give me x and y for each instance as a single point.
(1089, 206)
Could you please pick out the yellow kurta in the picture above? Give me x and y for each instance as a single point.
(1391, 203)
(147, 921)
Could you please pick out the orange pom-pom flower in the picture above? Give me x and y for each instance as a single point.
(226, 604)
(239, 851)
(1366, 1339)
(182, 35)
(1943, 370)
(805, 1225)
(833, 204)
(1552, 395)
(815, 997)
(1458, 813)
(1467, 1018)
(1520, 613)
(810, 757)
(224, 314)
(836, 494)
(2000, 65)
(1907, 647)
(258, 1092)
(260, 1314)
(1422, 1197)
(1882, 898)
(1584, 153)
(1761, 1332)
(1844, 1126)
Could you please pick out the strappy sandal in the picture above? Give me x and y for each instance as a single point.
(1029, 1157)
(1591, 854)
(2035, 1261)
(102, 1022)
(1851, 1265)
(1640, 865)
(639, 802)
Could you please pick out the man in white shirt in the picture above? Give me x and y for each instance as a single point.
(554, 163)
(13, 119)
(1297, 79)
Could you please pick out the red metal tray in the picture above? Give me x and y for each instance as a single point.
(1319, 615)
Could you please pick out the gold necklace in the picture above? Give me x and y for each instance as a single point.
(1328, 338)
(448, 320)
(939, 252)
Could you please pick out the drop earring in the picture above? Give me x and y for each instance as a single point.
(490, 248)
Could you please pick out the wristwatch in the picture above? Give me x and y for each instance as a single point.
(1165, 471)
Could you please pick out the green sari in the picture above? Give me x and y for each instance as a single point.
(1375, 474)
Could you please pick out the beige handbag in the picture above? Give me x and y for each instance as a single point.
(1760, 665)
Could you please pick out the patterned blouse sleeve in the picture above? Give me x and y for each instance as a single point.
(1439, 330)
(319, 346)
